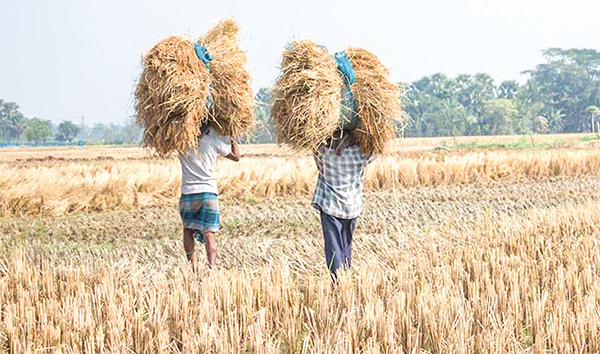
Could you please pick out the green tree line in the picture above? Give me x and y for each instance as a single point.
(560, 95)
(15, 127)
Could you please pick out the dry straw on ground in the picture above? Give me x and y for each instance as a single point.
(508, 268)
(171, 96)
(377, 101)
(104, 185)
(231, 112)
(307, 96)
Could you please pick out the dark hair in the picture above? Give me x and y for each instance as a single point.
(204, 129)
(340, 140)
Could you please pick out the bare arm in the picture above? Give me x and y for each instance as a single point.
(235, 152)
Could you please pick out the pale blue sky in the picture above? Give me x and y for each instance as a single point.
(63, 58)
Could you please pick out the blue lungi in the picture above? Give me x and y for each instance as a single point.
(200, 212)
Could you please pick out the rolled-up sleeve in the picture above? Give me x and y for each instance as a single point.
(223, 145)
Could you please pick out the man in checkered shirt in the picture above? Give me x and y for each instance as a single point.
(338, 196)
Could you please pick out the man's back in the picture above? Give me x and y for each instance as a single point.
(198, 165)
(339, 187)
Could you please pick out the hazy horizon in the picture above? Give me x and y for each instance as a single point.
(62, 59)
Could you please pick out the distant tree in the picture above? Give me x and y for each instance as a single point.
(567, 84)
(431, 103)
(37, 130)
(475, 91)
(530, 106)
(555, 119)
(264, 128)
(12, 122)
(438, 105)
(116, 134)
(508, 89)
(100, 133)
(67, 131)
(594, 111)
(131, 133)
(498, 116)
(540, 124)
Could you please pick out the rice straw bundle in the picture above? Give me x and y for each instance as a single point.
(171, 96)
(232, 109)
(377, 101)
(307, 96)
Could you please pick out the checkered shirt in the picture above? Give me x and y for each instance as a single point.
(340, 184)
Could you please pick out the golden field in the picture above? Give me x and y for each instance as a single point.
(59, 181)
(457, 251)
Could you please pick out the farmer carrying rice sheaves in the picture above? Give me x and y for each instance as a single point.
(341, 164)
(193, 98)
(199, 204)
(343, 107)
(338, 195)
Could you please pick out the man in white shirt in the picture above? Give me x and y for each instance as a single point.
(199, 204)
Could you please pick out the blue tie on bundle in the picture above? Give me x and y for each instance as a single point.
(203, 54)
(345, 67)
(349, 117)
(206, 58)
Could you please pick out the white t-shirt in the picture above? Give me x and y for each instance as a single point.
(198, 165)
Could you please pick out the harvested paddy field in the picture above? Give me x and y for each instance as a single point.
(457, 251)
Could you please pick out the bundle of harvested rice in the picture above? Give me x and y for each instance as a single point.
(377, 101)
(171, 96)
(307, 96)
(231, 111)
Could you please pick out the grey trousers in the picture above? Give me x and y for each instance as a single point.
(338, 241)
